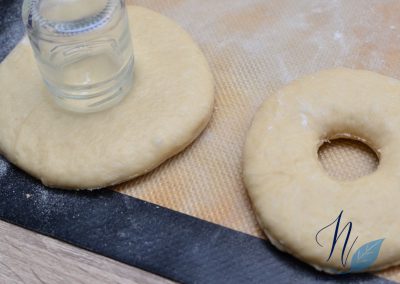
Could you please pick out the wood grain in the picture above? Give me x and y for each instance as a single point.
(27, 257)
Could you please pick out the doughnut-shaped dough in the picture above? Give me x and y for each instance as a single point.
(170, 104)
(298, 205)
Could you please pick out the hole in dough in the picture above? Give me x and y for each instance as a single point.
(347, 159)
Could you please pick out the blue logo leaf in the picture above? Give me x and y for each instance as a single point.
(365, 256)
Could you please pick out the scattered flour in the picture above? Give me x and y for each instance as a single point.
(4, 167)
(338, 35)
(304, 120)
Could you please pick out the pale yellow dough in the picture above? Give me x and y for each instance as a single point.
(169, 106)
(292, 194)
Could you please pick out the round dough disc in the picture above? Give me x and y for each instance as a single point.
(170, 104)
(298, 205)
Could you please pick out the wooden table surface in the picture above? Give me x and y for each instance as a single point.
(28, 257)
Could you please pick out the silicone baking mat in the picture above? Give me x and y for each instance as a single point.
(254, 48)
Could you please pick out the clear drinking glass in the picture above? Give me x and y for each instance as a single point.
(83, 49)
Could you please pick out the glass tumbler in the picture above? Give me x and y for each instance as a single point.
(83, 49)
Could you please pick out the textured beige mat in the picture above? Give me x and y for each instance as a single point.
(254, 48)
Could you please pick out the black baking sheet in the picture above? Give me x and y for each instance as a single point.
(138, 233)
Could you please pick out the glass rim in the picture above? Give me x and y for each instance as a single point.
(73, 27)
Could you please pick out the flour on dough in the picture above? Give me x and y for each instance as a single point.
(297, 203)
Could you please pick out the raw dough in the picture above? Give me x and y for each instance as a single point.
(170, 104)
(294, 198)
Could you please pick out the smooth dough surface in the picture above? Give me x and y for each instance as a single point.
(297, 204)
(170, 104)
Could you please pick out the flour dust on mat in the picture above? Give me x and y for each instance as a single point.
(255, 47)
